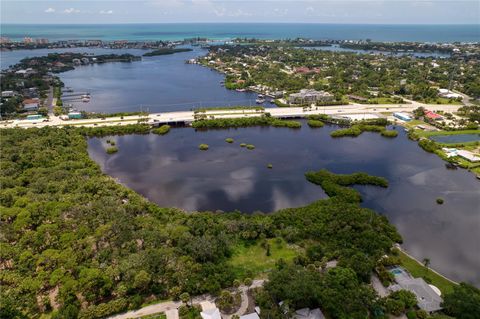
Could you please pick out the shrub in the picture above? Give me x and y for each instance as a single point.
(112, 150)
(389, 133)
(270, 166)
(315, 123)
(243, 144)
(440, 201)
(203, 147)
(162, 130)
(250, 146)
(229, 140)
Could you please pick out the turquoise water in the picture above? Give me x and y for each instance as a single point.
(178, 31)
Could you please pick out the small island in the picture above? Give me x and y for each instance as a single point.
(166, 51)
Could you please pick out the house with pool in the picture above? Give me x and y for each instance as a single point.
(428, 296)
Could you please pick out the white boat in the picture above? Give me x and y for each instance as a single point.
(260, 101)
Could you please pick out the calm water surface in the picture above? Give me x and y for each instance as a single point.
(171, 171)
(155, 84)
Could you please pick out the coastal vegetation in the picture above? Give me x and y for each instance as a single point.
(166, 51)
(111, 150)
(250, 146)
(162, 130)
(244, 122)
(229, 140)
(315, 123)
(336, 185)
(77, 244)
(203, 147)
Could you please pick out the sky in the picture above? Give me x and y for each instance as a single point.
(303, 11)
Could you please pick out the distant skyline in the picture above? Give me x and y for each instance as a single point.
(237, 11)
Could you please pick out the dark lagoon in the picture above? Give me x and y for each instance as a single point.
(171, 171)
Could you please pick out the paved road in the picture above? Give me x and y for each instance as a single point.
(167, 305)
(188, 116)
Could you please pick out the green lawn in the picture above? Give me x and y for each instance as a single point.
(385, 100)
(441, 100)
(432, 133)
(155, 316)
(418, 270)
(252, 260)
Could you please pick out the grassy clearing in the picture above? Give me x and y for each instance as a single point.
(433, 133)
(252, 260)
(418, 270)
(155, 316)
(442, 101)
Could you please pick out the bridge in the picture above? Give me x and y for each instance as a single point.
(353, 111)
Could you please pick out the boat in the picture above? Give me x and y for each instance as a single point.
(260, 96)
(85, 100)
(240, 90)
(451, 166)
(260, 101)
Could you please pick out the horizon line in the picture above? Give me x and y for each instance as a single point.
(244, 22)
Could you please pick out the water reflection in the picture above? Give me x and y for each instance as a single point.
(171, 171)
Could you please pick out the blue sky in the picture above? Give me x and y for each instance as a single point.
(308, 11)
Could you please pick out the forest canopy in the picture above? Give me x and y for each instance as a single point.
(75, 243)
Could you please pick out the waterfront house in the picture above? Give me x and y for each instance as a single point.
(469, 156)
(428, 296)
(402, 116)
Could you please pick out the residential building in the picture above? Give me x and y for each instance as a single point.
(448, 94)
(8, 93)
(469, 156)
(252, 315)
(209, 310)
(433, 116)
(30, 104)
(428, 298)
(402, 116)
(306, 313)
(310, 96)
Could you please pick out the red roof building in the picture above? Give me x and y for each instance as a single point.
(433, 116)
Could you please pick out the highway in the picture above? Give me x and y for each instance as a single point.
(357, 111)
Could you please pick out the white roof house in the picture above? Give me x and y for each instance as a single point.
(172, 313)
(209, 310)
(472, 157)
(306, 313)
(252, 315)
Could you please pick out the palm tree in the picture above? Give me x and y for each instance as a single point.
(426, 262)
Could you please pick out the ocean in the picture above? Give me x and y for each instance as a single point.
(179, 31)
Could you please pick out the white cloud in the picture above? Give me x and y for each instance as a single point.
(50, 10)
(106, 11)
(71, 10)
